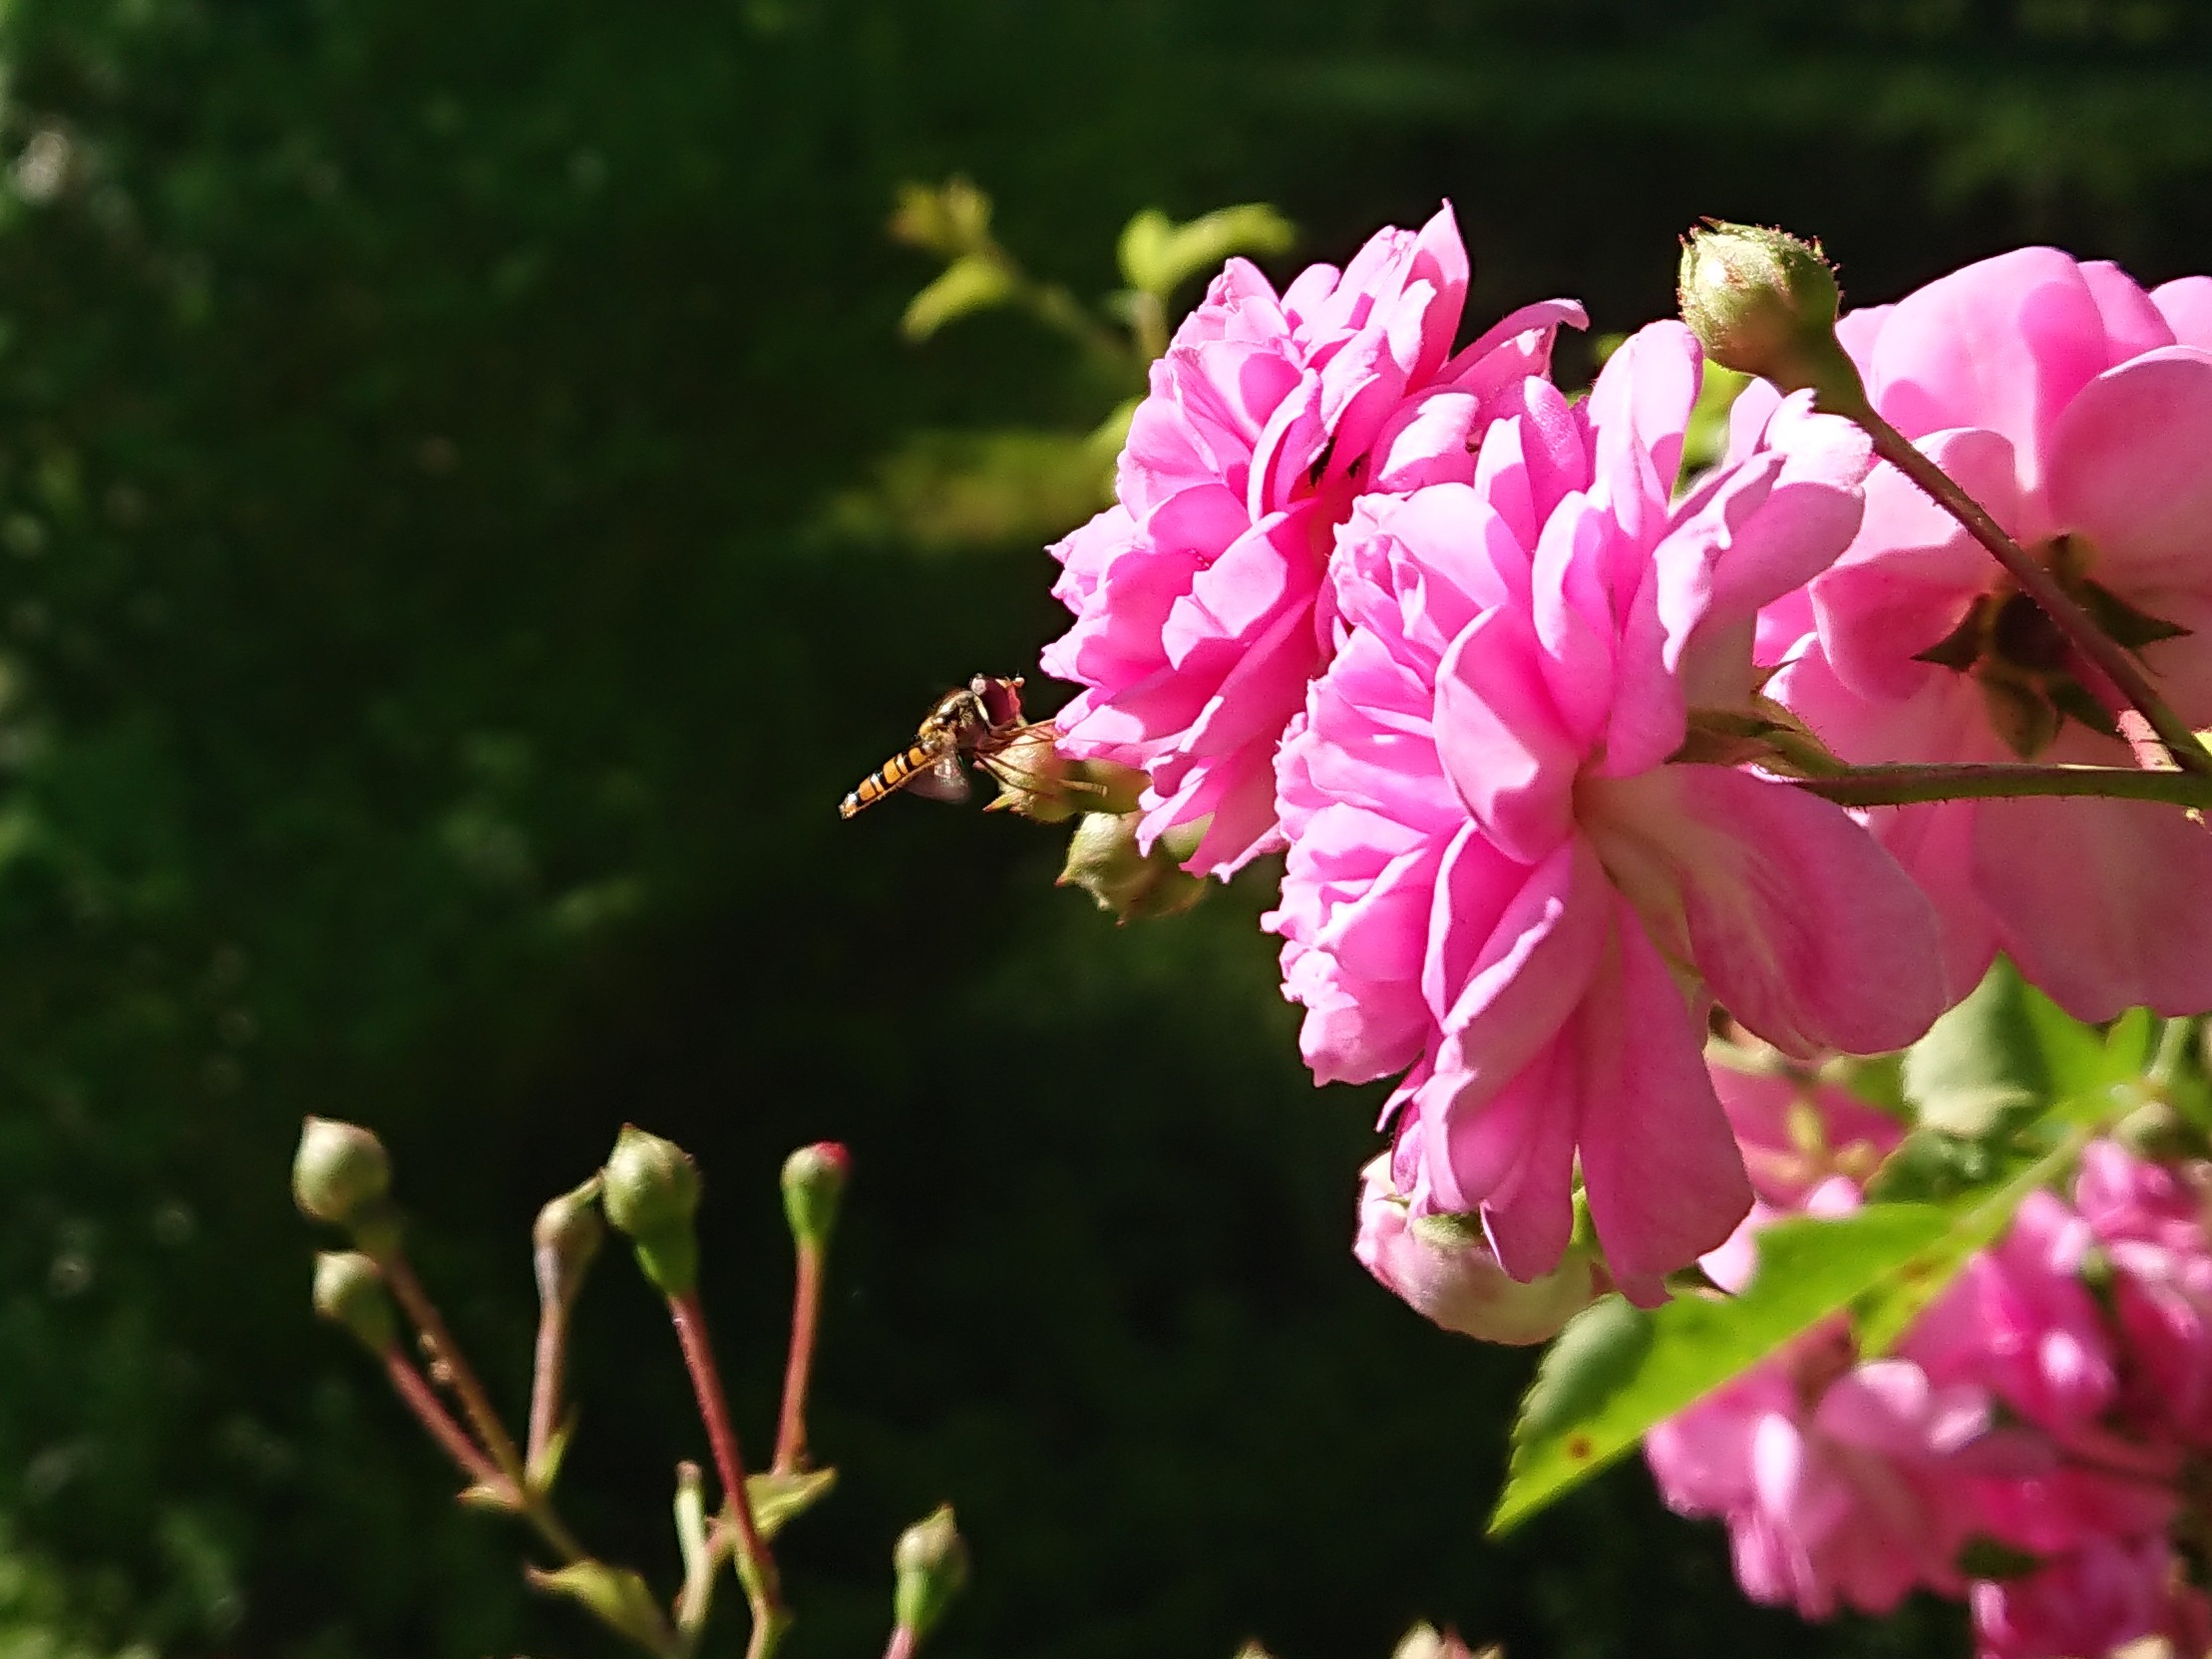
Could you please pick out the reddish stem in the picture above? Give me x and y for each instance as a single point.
(417, 1395)
(475, 1403)
(2136, 726)
(2092, 642)
(902, 1643)
(545, 1387)
(806, 1316)
(706, 1384)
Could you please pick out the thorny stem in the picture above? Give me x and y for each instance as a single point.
(762, 1584)
(417, 1395)
(1899, 785)
(806, 1313)
(2105, 653)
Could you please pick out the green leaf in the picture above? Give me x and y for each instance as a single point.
(544, 1468)
(1975, 1220)
(777, 1500)
(1158, 255)
(2129, 1042)
(618, 1598)
(1981, 1062)
(1616, 1370)
(973, 282)
(1706, 437)
(943, 492)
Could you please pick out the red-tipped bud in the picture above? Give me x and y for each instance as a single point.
(1763, 303)
(1103, 859)
(814, 1186)
(932, 1563)
(341, 1172)
(651, 1193)
(350, 1292)
(565, 1241)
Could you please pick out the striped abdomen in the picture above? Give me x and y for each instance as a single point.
(892, 774)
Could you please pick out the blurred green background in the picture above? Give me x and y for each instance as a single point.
(465, 518)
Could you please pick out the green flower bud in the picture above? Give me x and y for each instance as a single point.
(932, 1563)
(651, 1193)
(349, 1291)
(1102, 860)
(341, 1174)
(563, 1242)
(1763, 303)
(814, 1185)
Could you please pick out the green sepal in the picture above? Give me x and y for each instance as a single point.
(616, 1596)
(778, 1498)
(544, 1468)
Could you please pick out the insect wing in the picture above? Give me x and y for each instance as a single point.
(942, 781)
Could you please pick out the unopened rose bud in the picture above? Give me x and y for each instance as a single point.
(1102, 860)
(1443, 1268)
(932, 1563)
(651, 1194)
(1036, 779)
(565, 1239)
(340, 1174)
(1763, 303)
(349, 1291)
(814, 1186)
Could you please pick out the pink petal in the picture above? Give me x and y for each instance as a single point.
(2005, 344)
(1501, 737)
(1639, 409)
(1914, 570)
(1659, 1164)
(2131, 465)
(1517, 345)
(2186, 304)
(1529, 1215)
(1807, 931)
(1429, 440)
(1532, 972)
(2104, 904)
(2132, 323)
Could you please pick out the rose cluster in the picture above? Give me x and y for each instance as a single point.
(2033, 1444)
(1507, 692)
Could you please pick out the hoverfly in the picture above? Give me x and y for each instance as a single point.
(977, 724)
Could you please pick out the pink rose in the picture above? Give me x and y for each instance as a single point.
(2079, 410)
(1500, 877)
(1193, 596)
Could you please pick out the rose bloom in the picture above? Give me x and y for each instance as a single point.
(1500, 875)
(1269, 417)
(2077, 408)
